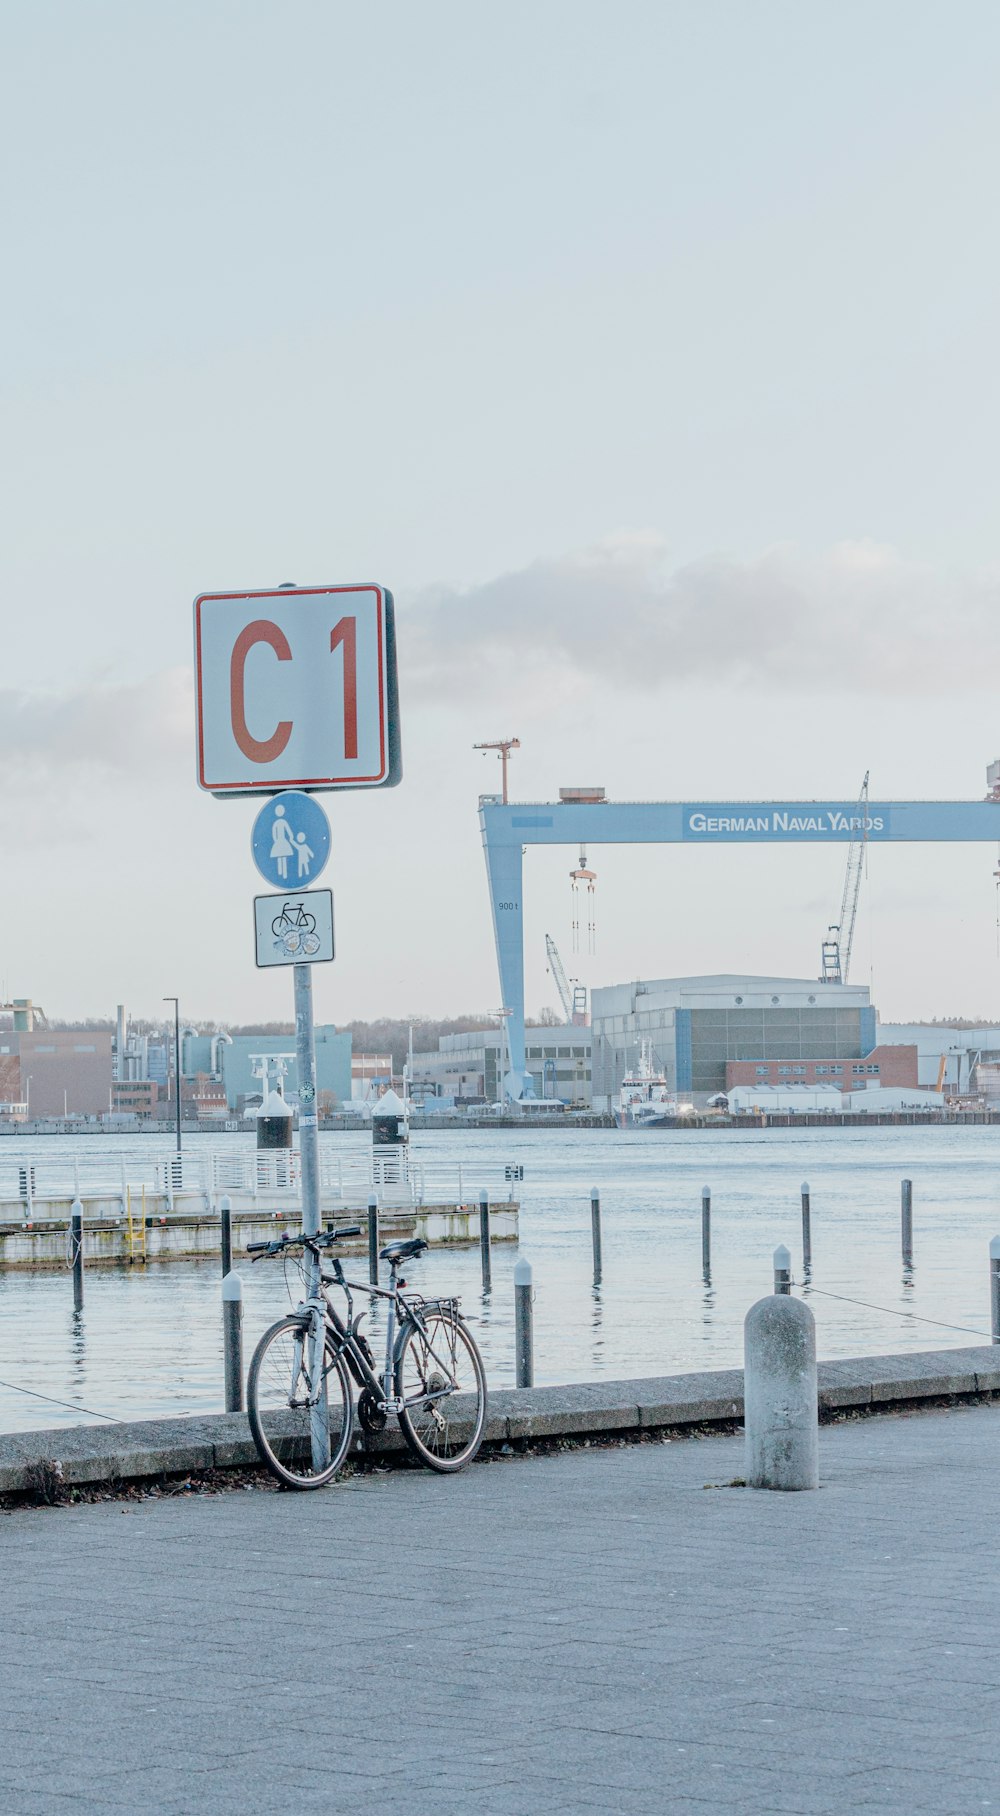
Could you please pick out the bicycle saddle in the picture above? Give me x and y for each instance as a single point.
(403, 1251)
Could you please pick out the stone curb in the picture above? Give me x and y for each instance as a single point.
(192, 1445)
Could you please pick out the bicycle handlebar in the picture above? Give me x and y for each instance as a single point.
(323, 1239)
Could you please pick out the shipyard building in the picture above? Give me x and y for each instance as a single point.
(468, 1069)
(705, 1032)
(958, 1060)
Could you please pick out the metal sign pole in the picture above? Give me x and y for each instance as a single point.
(305, 1054)
(346, 735)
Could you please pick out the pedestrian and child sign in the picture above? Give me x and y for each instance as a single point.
(296, 687)
(290, 840)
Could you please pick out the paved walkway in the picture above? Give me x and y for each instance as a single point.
(583, 1632)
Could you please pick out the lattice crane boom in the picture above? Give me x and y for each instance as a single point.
(840, 938)
(504, 746)
(558, 971)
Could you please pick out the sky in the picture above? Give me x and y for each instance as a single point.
(647, 353)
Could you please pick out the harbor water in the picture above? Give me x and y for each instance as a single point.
(148, 1341)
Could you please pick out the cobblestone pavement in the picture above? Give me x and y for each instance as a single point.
(588, 1631)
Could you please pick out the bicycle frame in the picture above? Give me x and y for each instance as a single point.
(319, 1314)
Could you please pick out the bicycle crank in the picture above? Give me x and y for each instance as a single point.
(371, 1412)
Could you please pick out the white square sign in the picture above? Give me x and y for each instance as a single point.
(296, 688)
(294, 929)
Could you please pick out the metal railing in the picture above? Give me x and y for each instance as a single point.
(33, 1181)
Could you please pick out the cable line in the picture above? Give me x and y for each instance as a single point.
(70, 1407)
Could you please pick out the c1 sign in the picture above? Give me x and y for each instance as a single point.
(296, 688)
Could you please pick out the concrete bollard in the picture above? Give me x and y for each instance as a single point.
(524, 1351)
(780, 1397)
(232, 1340)
(906, 1221)
(595, 1231)
(807, 1240)
(484, 1238)
(226, 1234)
(995, 1287)
(76, 1252)
(782, 1270)
(706, 1229)
(372, 1239)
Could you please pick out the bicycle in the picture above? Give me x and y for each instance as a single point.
(299, 1397)
(293, 918)
(295, 931)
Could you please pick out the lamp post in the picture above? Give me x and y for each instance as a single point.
(177, 1062)
(27, 1098)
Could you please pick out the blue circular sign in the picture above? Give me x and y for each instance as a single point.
(290, 840)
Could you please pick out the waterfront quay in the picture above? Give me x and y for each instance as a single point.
(140, 1231)
(141, 1204)
(611, 1630)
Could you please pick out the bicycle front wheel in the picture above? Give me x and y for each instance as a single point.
(441, 1381)
(279, 1409)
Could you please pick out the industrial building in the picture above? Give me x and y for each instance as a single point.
(699, 1026)
(218, 1071)
(798, 1100)
(885, 1067)
(371, 1073)
(960, 1062)
(333, 1064)
(45, 1072)
(468, 1069)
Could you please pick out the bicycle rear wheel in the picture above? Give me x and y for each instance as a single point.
(441, 1380)
(279, 1411)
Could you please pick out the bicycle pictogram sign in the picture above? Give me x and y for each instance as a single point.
(295, 931)
(300, 932)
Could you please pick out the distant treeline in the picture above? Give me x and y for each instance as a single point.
(391, 1034)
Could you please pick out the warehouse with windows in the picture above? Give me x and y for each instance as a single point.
(468, 1069)
(698, 1026)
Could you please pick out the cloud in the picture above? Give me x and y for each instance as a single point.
(137, 728)
(856, 617)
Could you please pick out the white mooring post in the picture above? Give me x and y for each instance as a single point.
(484, 1237)
(782, 1270)
(226, 1232)
(76, 1252)
(780, 1394)
(595, 1233)
(807, 1241)
(524, 1355)
(373, 1238)
(995, 1288)
(906, 1221)
(232, 1339)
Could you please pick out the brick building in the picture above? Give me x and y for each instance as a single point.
(135, 1097)
(882, 1066)
(57, 1073)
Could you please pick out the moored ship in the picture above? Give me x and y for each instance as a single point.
(645, 1100)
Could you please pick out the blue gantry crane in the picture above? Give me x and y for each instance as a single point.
(585, 818)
